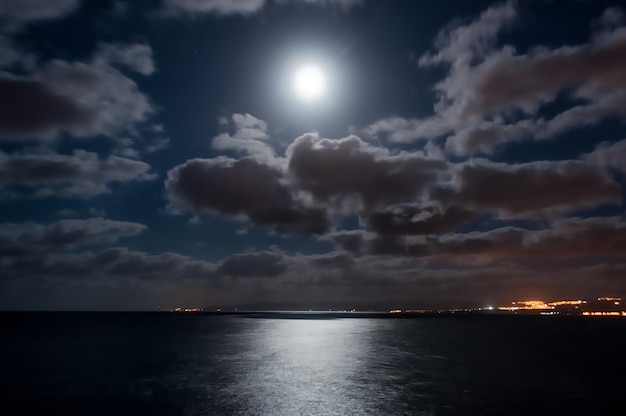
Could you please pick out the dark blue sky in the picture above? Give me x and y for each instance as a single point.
(156, 153)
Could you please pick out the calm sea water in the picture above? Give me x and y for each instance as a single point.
(170, 364)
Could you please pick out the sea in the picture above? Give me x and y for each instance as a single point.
(201, 364)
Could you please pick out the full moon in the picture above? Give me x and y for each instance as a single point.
(309, 83)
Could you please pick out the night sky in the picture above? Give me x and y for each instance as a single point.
(310, 153)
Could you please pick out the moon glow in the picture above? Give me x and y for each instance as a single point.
(309, 83)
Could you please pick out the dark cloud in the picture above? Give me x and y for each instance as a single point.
(137, 57)
(346, 4)
(243, 7)
(29, 108)
(403, 193)
(614, 272)
(569, 238)
(76, 98)
(416, 220)
(244, 187)
(258, 264)
(219, 7)
(336, 170)
(82, 174)
(332, 260)
(139, 265)
(30, 238)
(112, 263)
(609, 156)
(30, 10)
(352, 241)
(611, 18)
(10, 55)
(528, 188)
(414, 204)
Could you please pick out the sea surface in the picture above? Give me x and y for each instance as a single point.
(195, 364)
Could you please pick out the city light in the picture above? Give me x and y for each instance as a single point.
(601, 306)
(526, 305)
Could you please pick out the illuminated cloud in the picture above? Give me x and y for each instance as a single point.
(334, 171)
(318, 178)
(250, 137)
(488, 84)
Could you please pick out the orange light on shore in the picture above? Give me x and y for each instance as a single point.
(604, 313)
(567, 302)
(526, 305)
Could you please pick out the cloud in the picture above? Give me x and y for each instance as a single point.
(331, 260)
(490, 88)
(417, 220)
(506, 81)
(39, 239)
(567, 238)
(95, 212)
(533, 187)
(112, 263)
(219, 7)
(31, 10)
(335, 170)
(137, 57)
(10, 55)
(250, 137)
(244, 187)
(464, 43)
(75, 98)
(258, 264)
(241, 7)
(158, 144)
(609, 156)
(346, 4)
(611, 18)
(139, 265)
(486, 135)
(81, 174)
(395, 193)
(402, 130)
(316, 179)
(66, 212)
(461, 46)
